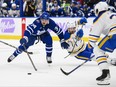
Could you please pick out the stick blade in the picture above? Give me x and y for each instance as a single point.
(64, 72)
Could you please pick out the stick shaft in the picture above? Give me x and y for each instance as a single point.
(13, 46)
(67, 73)
(30, 59)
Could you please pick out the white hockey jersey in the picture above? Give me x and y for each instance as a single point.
(104, 24)
(75, 45)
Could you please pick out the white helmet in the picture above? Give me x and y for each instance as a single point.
(70, 25)
(13, 5)
(4, 5)
(101, 6)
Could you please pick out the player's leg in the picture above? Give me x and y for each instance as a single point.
(86, 55)
(103, 79)
(47, 40)
(21, 49)
(109, 46)
(101, 59)
(16, 53)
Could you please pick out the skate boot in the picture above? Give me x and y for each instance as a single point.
(104, 78)
(49, 60)
(11, 58)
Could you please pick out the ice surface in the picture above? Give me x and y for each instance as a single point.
(15, 74)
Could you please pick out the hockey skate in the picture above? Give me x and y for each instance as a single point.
(49, 60)
(104, 78)
(11, 58)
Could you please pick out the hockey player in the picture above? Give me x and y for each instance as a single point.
(104, 23)
(112, 5)
(39, 28)
(77, 47)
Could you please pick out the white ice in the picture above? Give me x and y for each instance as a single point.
(14, 74)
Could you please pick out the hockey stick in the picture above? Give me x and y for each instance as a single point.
(30, 59)
(77, 38)
(67, 73)
(13, 46)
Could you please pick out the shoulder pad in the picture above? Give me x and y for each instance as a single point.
(38, 21)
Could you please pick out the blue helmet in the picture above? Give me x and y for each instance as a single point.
(45, 16)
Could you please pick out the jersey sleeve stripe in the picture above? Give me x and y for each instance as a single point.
(94, 35)
(102, 42)
(29, 28)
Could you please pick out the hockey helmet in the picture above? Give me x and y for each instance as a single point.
(13, 5)
(71, 25)
(45, 16)
(4, 5)
(101, 6)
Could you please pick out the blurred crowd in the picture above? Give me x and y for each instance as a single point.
(63, 8)
(9, 8)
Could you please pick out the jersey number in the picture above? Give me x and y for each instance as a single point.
(112, 16)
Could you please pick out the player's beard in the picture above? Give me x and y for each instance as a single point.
(72, 32)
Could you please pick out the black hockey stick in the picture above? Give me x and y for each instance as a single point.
(30, 59)
(13, 46)
(67, 73)
(77, 38)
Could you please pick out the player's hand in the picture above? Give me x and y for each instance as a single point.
(83, 20)
(80, 33)
(64, 45)
(23, 41)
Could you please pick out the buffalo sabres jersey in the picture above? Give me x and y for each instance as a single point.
(76, 45)
(104, 24)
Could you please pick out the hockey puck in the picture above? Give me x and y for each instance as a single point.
(29, 73)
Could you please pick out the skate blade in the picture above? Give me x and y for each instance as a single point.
(105, 82)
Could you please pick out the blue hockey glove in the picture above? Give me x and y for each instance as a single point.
(23, 41)
(64, 45)
(66, 36)
(83, 20)
(80, 33)
(89, 49)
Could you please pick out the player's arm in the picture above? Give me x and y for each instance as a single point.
(79, 33)
(28, 32)
(55, 28)
(95, 32)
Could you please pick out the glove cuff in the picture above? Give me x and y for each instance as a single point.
(26, 38)
(62, 40)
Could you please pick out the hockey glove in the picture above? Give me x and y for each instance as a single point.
(80, 33)
(23, 41)
(82, 21)
(89, 49)
(64, 45)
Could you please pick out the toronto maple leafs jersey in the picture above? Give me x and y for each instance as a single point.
(36, 28)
